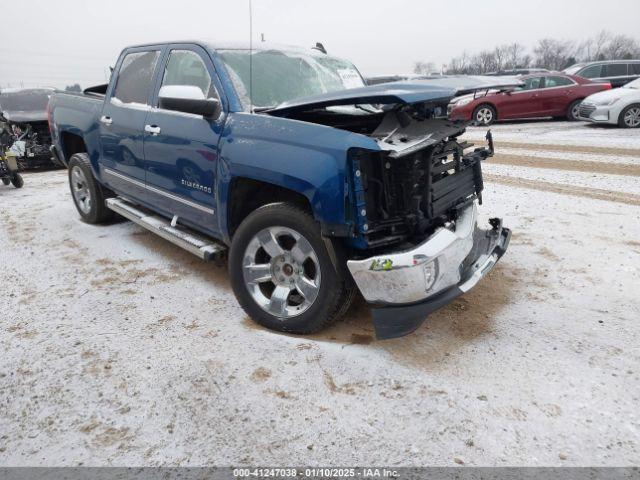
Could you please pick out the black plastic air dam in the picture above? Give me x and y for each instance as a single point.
(393, 321)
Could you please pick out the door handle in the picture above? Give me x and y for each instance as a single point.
(152, 129)
(106, 120)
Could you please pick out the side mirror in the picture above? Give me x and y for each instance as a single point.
(188, 99)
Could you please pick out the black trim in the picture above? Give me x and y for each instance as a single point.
(393, 321)
(58, 159)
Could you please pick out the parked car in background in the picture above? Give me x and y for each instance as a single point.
(616, 72)
(23, 125)
(619, 106)
(542, 95)
(517, 71)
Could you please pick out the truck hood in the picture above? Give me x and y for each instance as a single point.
(28, 105)
(24, 117)
(407, 92)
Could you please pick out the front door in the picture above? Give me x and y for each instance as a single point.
(123, 118)
(181, 149)
(524, 102)
(557, 95)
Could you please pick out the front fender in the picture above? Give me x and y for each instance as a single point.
(307, 158)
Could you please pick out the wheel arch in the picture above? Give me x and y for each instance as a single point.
(624, 109)
(247, 194)
(482, 104)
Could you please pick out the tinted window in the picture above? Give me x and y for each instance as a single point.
(134, 80)
(187, 68)
(634, 69)
(594, 71)
(532, 83)
(557, 82)
(615, 70)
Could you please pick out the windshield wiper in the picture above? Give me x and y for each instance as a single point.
(262, 109)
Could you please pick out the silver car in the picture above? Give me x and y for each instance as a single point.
(620, 106)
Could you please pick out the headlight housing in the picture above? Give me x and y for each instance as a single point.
(462, 102)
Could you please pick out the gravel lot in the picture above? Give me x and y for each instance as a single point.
(120, 349)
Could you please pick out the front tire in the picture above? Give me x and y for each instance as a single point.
(572, 111)
(630, 117)
(6, 181)
(17, 181)
(484, 115)
(281, 272)
(88, 195)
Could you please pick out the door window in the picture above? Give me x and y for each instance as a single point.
(634, 68)
(134, 79)
(532, 83)
(615, 70)
(594, 71)
(186, 67)
(557, 82)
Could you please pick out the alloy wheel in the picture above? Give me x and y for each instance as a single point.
(632, 117)
(484, 116)
(80, 189)
(575, 111)
(281, 272)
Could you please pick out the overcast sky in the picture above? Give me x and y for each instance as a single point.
(60, 42)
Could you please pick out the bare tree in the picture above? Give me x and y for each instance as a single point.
(424, 68)
(594, 48)
(500, 54)
(620, 46)
(553, 54)
(516, 56)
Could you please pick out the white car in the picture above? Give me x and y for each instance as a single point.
(619, 106)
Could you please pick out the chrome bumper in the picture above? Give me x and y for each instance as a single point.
(417, 281)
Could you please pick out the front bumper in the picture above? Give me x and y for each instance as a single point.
(594, 113)
(405, 287)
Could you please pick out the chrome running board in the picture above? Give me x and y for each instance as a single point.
(205, 248)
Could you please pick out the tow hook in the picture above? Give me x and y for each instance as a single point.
(496, 223)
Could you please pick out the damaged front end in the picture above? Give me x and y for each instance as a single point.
(417, 221)
(24, 129)
(416, 244)
(420, 178)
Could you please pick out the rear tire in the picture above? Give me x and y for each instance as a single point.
(17, 181)
(630, 116)
(282, 274)
(484, 115)
(572, 111)
(88, 195)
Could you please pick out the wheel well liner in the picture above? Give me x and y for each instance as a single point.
(246, 195)
(72, 144)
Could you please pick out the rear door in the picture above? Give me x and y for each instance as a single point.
(123, 118)
(616, 73)
(524, 102)
(557, 94)
(182, 152)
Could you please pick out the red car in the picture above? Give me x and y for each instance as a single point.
(542, 95)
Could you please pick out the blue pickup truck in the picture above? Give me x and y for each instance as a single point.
(312, 185)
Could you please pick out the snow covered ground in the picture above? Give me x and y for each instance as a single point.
(120, 349)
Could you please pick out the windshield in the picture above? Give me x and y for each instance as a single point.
(280, 76)
(25, 101)
(635, 84)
